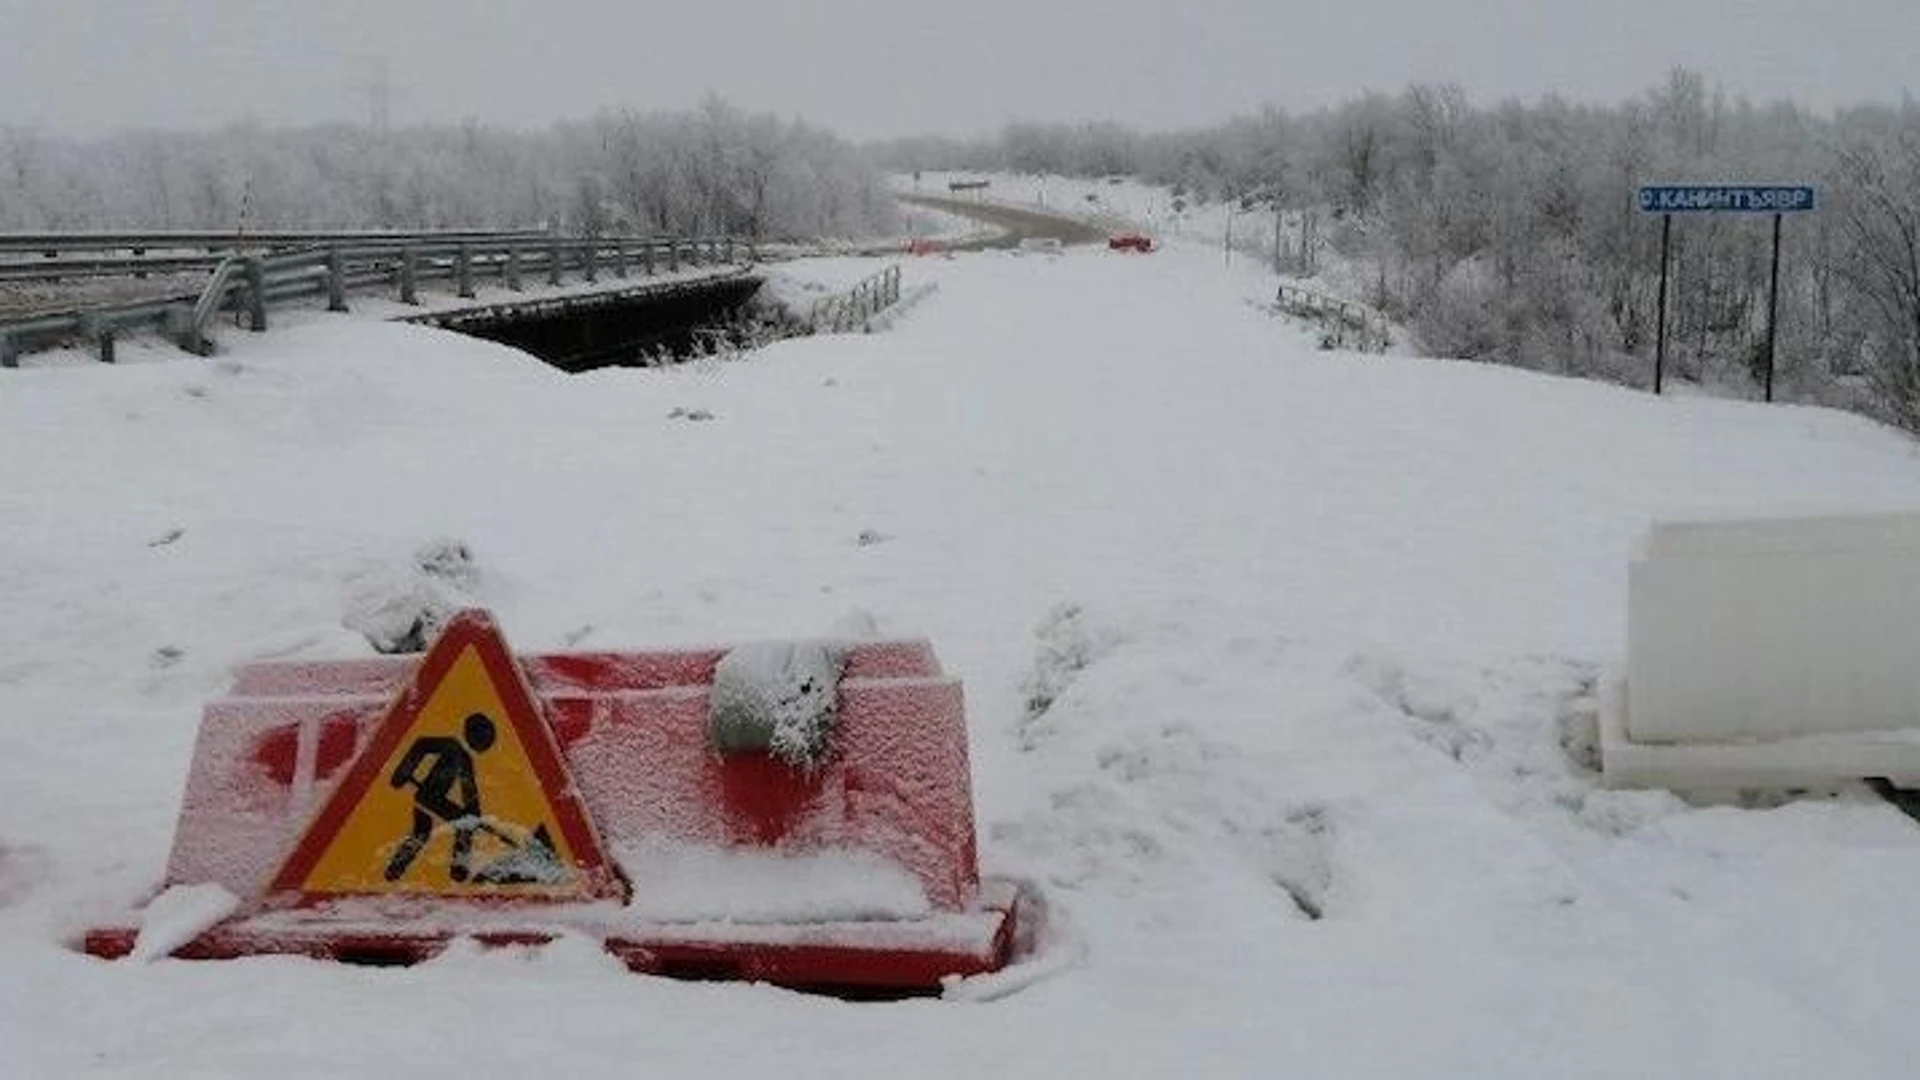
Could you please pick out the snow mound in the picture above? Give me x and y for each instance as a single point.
(178, 915)
(777, 697)
(399, 609)
(684, 883)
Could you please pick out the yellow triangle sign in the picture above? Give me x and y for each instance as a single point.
(461, 791)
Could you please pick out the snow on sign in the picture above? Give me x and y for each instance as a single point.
(1726, 198)
(461, 791)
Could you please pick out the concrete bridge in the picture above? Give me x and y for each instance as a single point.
(571, 296)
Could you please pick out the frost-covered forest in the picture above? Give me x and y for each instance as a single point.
(1509, 232)
(710, 170)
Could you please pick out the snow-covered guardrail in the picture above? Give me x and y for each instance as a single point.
(1345, 324)
(252, 282)
(855, 308)
(1774, 653)
(71, 256)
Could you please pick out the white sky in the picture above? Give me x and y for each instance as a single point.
(891, 67)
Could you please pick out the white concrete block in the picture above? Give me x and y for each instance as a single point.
(1773, 638)
(1812, 762)
(1717, 537)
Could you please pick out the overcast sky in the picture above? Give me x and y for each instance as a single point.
(889, 67)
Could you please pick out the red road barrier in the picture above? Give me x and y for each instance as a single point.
(857, 873)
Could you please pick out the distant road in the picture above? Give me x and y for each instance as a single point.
(1019, 224)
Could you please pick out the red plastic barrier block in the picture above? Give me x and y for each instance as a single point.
(888, 957)
(898, 781)
(630, 730)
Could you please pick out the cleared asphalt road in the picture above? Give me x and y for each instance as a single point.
(1019, 224)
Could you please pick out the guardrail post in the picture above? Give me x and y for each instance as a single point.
(336, 280)
(9, 354)
(256, 294)
(619, 258)
(646, 257)
(513, 267)
(673, 255)
(589, 261)
(554, 257)
(100, 330)
(463, 271)
(409, 275)
(184, 331)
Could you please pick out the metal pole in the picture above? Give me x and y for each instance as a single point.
(1773, 303)
(336, 280)
(409, 271)
(1660, 348)
(256, 294)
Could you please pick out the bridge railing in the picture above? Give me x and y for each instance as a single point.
(855, 308)
(74, 256)
(1347, 325)
(251, 282)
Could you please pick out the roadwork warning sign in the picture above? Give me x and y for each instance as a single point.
(461, 791)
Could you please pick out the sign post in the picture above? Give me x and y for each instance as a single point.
(1660, 346)
(1670, 199)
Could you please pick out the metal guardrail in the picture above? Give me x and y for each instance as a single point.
(1348, 325)
(855, 308)
(24, 255)
(251, 282)
(136, 266)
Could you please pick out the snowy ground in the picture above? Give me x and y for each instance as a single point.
(799, 284)
(1277, 664)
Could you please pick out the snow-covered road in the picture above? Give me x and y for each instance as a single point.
(1277, 663)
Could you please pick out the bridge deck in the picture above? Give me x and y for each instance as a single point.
(469, 315)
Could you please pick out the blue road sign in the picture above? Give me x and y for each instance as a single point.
(1726, 198)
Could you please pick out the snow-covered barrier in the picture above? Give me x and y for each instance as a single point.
(1769, 653)
(376, 809)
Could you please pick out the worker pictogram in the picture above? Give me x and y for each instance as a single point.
(460, 791)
